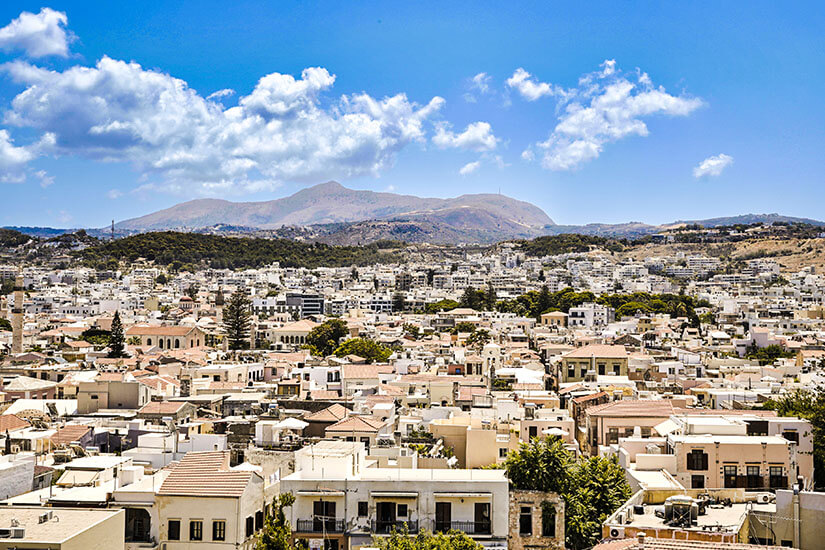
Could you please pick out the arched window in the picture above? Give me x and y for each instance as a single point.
(177, 343)
(160, 343)
(148, 341)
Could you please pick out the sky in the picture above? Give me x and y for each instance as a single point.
(595, 112)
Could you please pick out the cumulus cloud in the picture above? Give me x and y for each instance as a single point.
(530, 88)
(606, 106)
(114, 194)
(478, 136)
(13, 159)
(712, 166)
(37, 34)
(181, 141)
(479, 84)
(469, 168)
(220, 94)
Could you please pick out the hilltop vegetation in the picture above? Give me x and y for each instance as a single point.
(567, 243)
(174, 249)
(10, 238)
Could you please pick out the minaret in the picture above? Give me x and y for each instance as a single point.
(17, 316)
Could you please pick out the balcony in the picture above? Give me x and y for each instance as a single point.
(320, 525)
(381, 527)
(467, 527)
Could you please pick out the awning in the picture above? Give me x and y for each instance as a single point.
(321, 493)
(393, 494)
(78, 478)
(462, 495)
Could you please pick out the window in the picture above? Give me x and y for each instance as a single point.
(502, 452)
(778, 479)
(219, 530)
(525, 521)
(443, 516)
(196, 530)
(754, 477)
(697, 482)
(645, 431)
(613, 435)
(402, 511)
(548, 519)
(697, 460)
(174, 529)
(259, 520)
(481, 517)
(533, 431)
(250, 526)
(363, 509)
(791, 435)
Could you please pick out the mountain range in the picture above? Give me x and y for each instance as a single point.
(334, 214)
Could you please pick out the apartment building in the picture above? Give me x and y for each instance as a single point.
(341, 497)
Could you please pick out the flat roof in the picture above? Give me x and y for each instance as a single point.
(716, 518)
(65, 523)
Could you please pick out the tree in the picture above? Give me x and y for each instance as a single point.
(810, 405)
(544, 301)
(192, 290)
(370, 350)
(464, 326)
(544, 464)
(236, 320)
(441, 305)
(592, 488)
(277, 534)
(472, 298)
(452, 540)
(116, 340)
(323, 339)
(490, 298)
(398, 303)
(410, 330)
(161, 279)
(479, 338)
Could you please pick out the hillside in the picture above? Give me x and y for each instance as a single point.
(468, 216)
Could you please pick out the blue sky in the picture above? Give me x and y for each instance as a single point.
(631, 111)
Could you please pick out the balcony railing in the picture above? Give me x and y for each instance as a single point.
(468, 527)
(320, 525)
(382, 527)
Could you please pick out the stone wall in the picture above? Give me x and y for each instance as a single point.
(535, 501)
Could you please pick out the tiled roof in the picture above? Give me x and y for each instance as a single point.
(363, 424)
(161, 407)
(633, 407)
(11, 422)
(597, 350)
(150, 330)
(333, 413)
(67, 434)
(205, 474)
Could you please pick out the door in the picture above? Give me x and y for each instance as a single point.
(386, 516)
(323, 516)
(482, 518)
(443, 516)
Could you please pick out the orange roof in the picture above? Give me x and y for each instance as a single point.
(597, 350)
(151, 330)
(68, 434)
(205, 474)
(365, 424)
(333, 413)
(11, 422)
(161, 407)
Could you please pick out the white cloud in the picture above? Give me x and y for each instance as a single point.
(220, 94)
(478, 136)
(114, 194)
(64, 217)
(45, 179)
(13, 159)
(38, 35)
(712, 166)
(469, 168)
(530, 88)
(481, 82)
(607, 106)
(182, 142)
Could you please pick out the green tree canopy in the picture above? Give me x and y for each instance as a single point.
(116, 338)
(453, 540)
(810, 405)
(370, 350)
(323, 339)
(236, 320)
(277, 534)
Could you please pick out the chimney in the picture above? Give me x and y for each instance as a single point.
(641, 537)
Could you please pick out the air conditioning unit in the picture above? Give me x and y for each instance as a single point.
(764, 498)
(18, 532)
(617, 532)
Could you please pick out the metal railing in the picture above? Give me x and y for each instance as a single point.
(468, 527)
(320, 525)
(383, 527)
